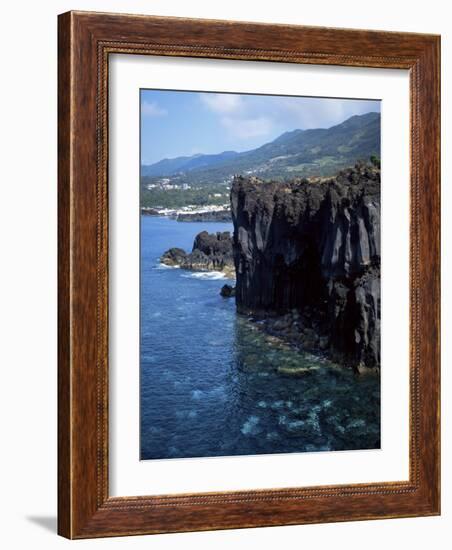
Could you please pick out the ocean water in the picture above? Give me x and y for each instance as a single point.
(209, 384)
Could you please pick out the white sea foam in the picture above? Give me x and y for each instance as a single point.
(207, 275)
(164, 266)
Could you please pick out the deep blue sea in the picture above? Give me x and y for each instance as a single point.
(209, 385)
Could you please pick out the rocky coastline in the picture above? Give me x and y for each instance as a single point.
(150, 212)
(307, 262)
(210, 252)
(211, 216)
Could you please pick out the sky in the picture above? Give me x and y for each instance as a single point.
(175, 123)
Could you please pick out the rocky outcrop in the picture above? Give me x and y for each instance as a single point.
(214, 216)
(227, 291)
(149, 212)
(313, 249)
(174, 257)
(211, 252)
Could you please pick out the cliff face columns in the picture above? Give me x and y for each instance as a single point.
(311, 251)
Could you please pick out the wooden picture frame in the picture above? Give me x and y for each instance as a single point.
(86, 40)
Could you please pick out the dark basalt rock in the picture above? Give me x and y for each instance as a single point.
(227, 291)
(150, 212)
(174, 257)
(313, 248)
(211, 252)
(218, 247)
(216, 216)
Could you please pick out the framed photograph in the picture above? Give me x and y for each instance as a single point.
(248, 275)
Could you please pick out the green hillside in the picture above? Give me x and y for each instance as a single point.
(299, 153)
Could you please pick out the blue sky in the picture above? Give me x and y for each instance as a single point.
(177, 123)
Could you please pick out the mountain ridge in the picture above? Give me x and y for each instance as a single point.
(171, 166)
(319, 151)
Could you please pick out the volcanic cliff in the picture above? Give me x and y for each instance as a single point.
(309, 254)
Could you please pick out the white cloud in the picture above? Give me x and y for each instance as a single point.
(248, 118)
(237, 115)
(246, 128)
(152, 109)
(222, 103)
(319, 112)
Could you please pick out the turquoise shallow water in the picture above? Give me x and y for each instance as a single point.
(209, 380)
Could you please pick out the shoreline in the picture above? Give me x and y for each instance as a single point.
(303, 330)
(186, 214)
(284, 331)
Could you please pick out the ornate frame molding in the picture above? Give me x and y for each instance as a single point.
(85, 42)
